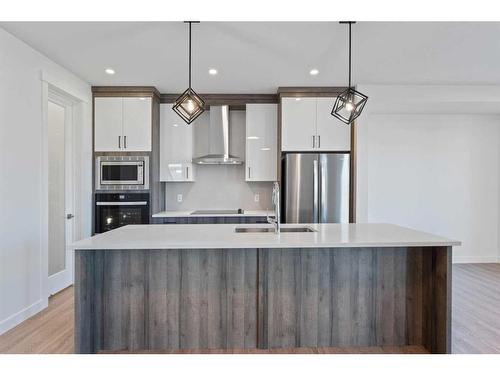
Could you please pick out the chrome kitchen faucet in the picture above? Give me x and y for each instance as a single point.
(276, 203)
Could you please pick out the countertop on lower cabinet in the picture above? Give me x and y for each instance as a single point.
(191, 213)
(220, 236)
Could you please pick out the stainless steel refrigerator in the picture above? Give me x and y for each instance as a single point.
(316, 188)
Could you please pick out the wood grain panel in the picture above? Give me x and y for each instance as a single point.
(84, 289)
(266, 298)
(235, 101)
(214, 220)
(354, 297)
(165, 299)
(125, 91)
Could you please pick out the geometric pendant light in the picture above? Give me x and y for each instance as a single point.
(350, 103)
(189, 105)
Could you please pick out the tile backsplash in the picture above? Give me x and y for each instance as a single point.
(219, 187)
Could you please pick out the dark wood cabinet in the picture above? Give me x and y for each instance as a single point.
(212, 220)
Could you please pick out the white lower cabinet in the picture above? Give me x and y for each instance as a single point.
(176, 147)
(261, 142)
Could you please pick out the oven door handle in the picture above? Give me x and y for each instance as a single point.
(141, 203)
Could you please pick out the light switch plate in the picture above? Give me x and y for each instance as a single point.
(256, 198)
(179, 198)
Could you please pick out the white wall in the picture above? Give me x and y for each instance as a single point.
(21, 205)
(437, 172)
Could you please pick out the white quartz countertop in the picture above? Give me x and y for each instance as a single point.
(190, 214)
(218, 236)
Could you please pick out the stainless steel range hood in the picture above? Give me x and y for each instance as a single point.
(218, 139)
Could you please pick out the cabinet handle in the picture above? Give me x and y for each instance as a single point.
(319, 141)
(125, 141)
(249, 175)
(187, 173)
(313, 142)
(119, 141)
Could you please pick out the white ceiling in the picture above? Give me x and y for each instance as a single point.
(257, 57)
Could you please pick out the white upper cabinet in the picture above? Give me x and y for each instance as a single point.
(137, 124)
(261, 142)
(307, 125)
(122, 124)
(298, 119)
(108, 124)
(176, 146)
(332, 134)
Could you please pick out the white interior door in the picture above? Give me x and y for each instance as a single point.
(61, 193)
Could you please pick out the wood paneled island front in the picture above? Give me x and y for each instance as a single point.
(164, 287)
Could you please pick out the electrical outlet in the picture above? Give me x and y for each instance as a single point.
(256, 198)
(179, 198)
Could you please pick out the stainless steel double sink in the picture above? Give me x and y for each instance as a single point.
(271, 229)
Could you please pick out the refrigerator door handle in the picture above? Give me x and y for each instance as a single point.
(315, 191)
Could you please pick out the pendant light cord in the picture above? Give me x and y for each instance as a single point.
(350, 23)
(190, 54)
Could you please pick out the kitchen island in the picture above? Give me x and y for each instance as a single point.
(164, 287)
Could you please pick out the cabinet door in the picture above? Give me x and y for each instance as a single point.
(137, 124)
(108, 124)
(177, 172)
(332, 134)
(176, 136)
(176, 146)
(298, 121)
(261, 135)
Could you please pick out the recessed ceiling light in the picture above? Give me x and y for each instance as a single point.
(314, 72)
(297, 99)
(109, 71)
(265, 148)
(212, 71)
(175, 125)
(252, 137)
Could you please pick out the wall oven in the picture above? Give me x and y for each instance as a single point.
(114, 210)
(122, 173)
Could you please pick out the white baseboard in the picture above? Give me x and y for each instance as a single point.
(59, 281)
(21, 316)
(475, 259)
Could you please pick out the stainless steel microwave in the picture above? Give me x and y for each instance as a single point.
(122, 173)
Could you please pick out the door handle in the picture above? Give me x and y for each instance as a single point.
(187, 173)
(124, 141)
(70, 216)
(313, 141)
(119, 141)
(249, 175)
(319, 141)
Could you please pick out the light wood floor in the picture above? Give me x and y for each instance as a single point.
(476, 308)
(475, 321)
